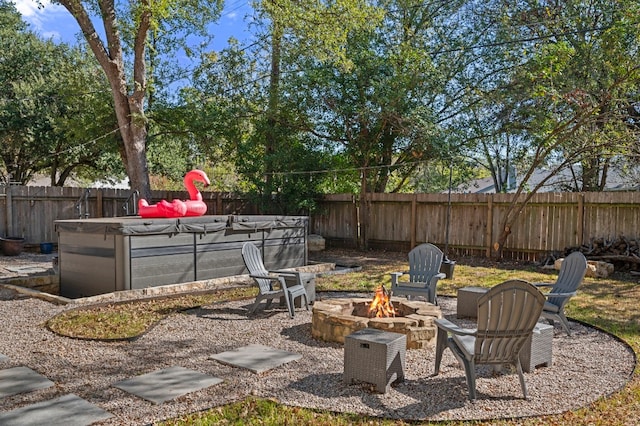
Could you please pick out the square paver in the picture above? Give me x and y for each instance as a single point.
(21, 379)
(68, 410)
(167, 384)
(257, 358)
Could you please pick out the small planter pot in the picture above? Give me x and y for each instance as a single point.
(46, 248)
(12, 246)
(447, 268)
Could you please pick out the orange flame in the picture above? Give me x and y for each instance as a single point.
(381, 305)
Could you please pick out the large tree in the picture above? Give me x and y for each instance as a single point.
(571, 74)
(121, 47)
(54, 115)
(387, 112)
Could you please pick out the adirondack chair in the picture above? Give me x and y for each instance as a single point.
(570, 277)
(266, 280)
(507, 314)
(424, 273)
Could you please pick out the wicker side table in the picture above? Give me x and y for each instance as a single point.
(467, 301)
(374, 356)
(537, 351)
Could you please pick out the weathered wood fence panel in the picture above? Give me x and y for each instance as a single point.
(549, 222)
(336, 220)
(611, 215)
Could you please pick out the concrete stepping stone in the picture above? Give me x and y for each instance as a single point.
(21, 379)
(68, 410)
(3, 358)
(257, 358)
(167, 384)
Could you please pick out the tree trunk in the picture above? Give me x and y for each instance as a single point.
(129, 108)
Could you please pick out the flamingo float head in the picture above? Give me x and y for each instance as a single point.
(196, 175)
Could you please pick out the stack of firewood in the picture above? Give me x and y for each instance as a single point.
(620, 249)
(623, 252)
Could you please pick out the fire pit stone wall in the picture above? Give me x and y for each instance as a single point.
(335, 319)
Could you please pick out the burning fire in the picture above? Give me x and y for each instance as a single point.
(381, 305)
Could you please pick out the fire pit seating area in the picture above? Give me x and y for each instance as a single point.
(335, 319)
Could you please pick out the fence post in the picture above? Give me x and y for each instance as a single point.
(9, 210)
(580, 230)
(99, 212)
(414, 209)
(356, 226)
(489, 230)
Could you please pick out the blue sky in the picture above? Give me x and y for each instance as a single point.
(53, 21)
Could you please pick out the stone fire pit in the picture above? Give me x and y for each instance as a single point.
(334, 319)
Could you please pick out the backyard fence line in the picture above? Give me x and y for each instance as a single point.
(550, 222)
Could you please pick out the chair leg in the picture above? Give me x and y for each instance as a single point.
(565, 323)
(521, 376)
(292, 305)
(288, 300)
(441, 344)
(470, 372)
(255, 305)
(431, 296)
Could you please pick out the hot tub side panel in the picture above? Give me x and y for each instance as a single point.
(219, 254)
(89, 264)
(161, 259)
(285, 248)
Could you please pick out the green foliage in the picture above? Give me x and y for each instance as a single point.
(568, 79)
(55, 108)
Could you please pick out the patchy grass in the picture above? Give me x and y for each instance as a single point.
(610, 304)
(127, 320)
(252, 411)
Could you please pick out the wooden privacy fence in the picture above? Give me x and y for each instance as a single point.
(30, 211)
(550, 221)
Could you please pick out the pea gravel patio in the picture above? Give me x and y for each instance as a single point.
(586, 366)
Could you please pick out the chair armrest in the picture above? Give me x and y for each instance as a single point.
(280, 280)
(289, 274)
(283, 272)
(264, 277)
(543, 284)
(450, 327)
(438, 276)
(395, 276)
(565, 295)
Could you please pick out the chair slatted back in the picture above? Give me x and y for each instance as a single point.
(570, 277)
(507, 314)
(424, 263)
(253, 261)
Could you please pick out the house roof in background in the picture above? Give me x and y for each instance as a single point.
(557, 183)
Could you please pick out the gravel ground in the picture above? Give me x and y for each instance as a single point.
(586, 366)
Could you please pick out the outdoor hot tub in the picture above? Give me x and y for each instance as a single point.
(97, 256)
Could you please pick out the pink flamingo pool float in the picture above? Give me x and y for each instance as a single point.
(178, 208)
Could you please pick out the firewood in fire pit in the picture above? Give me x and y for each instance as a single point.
(381, 305)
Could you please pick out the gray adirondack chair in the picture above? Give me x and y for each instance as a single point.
(507, 314)
(266, 279)
(570, 277)
(424, 273)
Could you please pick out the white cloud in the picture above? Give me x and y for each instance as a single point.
(27, 8)
(41, 17)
